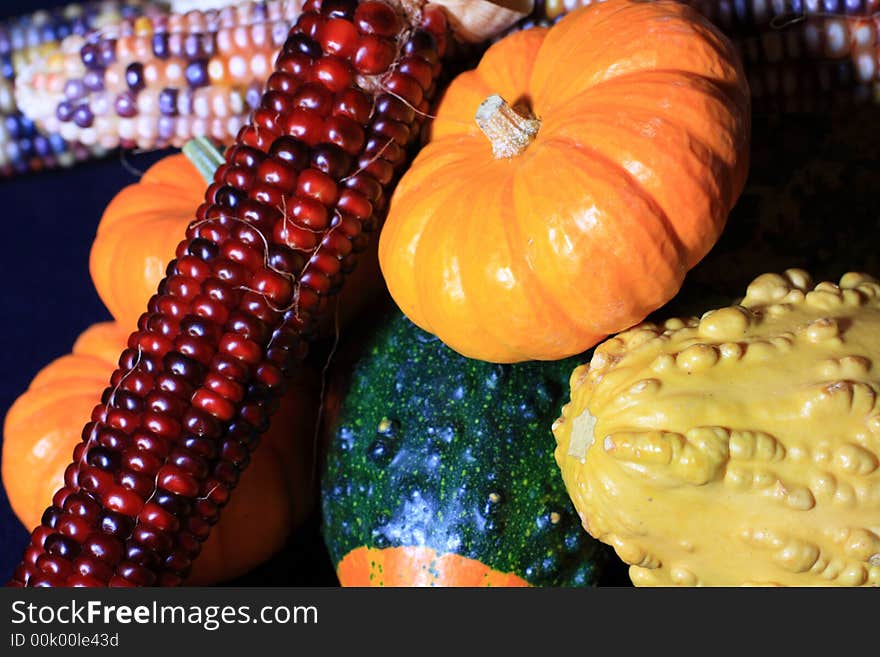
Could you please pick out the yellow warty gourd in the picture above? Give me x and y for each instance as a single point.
(740, 448)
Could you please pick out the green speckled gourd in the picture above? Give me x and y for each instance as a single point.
(440, 471)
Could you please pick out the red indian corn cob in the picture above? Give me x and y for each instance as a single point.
(297, 198)
(155, 82)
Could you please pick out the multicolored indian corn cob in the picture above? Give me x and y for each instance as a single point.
(153, 83)
(815, 63)
(177, 76)
(744, 16)
(300, 192)
(27, 38)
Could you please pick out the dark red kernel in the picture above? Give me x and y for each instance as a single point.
(240, 347)
(305, 125)
(162, 425)
(59, 545)
(377, 18)
(91, 569)
(156, 516)
(139, 551)
(333, 72)
(83, 506)
(228, 389)
(365, 184)
(230, 368)
(309, 23)
(315, 97)
(231, 272)
(140, 484)
(373, 55)
(54, 566)
(276, 172)
(214, 404)
(74, 527)
(201, 424)
(282, 82)
(175, 480)
(294, 64)
(285, 259)
(131, 574)
(354, 203)
(302, 45)
(331, 160)
(405, 87)
(354, 104)
(293, 152)
(122, 501)
(248, 325)
(390, 107)
(305, 213)
(318, 186)
(422, 44)
(345, 133)
(338, 37)
(152, 443)
(142, 461)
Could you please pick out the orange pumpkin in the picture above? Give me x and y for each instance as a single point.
(611, 176)
(275, 494)
(142, 226)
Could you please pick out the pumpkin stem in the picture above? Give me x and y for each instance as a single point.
(204, 156)
(509, 131)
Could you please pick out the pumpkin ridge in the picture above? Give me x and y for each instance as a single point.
(663, 219)
(698, 29)
(470, 271)
(445, 197)
(568, 55)
(67, 368)
(717, 212)
(648, 75)
(634, 183)
(503, 189)
(394, 238)
(569, 317)
(26, 407)
(737, 95)
(120, 207)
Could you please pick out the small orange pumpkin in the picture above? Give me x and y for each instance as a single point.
(610, 177)
(142, 226)
(274, 496)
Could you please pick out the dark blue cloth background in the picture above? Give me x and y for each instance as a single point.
(50, 220)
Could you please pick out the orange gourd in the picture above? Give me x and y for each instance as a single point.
(142, 226)
(138, 233)
(578, 211)
(274, 496)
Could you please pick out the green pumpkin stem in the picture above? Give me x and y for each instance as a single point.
(204, 156)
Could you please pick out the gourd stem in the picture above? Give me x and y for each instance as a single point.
(509, 131)
(204, 156)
